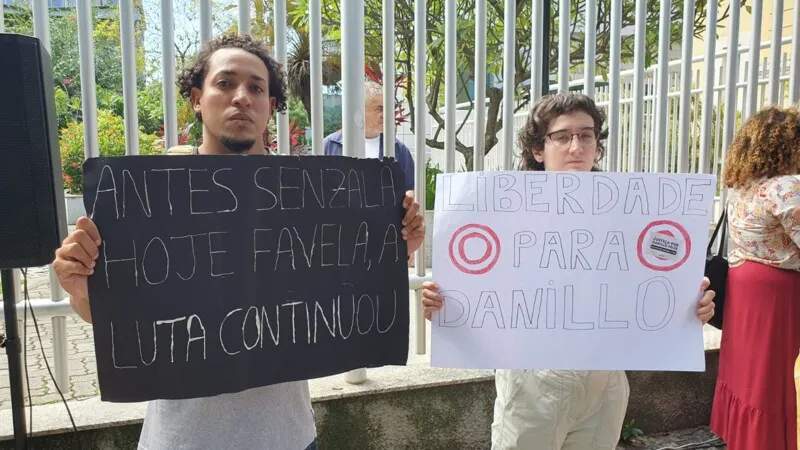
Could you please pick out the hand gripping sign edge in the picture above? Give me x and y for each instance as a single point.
(481, 232)
(640, 246)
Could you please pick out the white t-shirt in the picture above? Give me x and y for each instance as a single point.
(277, 417)
(373, 147)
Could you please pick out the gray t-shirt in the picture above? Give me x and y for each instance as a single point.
(277, 417)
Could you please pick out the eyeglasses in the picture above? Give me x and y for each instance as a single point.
(563, 139)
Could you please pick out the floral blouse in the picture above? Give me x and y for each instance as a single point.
(761, 226)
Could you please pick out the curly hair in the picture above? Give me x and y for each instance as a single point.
(547, 109)
(767, 145)
(194, 75)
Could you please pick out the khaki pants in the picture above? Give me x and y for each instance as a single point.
(559, 410)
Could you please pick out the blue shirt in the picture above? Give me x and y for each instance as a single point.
(332, 145)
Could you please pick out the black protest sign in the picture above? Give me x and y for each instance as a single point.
(223, 273)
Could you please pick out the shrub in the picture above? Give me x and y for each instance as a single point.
(430, 185)
(111, 140)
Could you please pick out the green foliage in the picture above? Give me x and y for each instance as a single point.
(64, 46)
(430, 185)
(67, 108)
(297, 112)
(629, 431)
(151, 108)
(149, 104)
(111, 140)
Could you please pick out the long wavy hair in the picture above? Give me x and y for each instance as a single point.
(766, 146)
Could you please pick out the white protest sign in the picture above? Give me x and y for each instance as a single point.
(570, 271)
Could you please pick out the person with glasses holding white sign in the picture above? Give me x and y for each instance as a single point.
(549, 409)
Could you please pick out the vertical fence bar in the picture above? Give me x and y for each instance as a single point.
(731, 80)
(41, 22)
(762, 86)
(128, 38)
(317, 118)
(41, 29)
(23, 357)
(537, 41)
(745, 71)
(635, 164)
(206, 23)
(718, 129)
(18, 294)
(781, 83)
(168, 69)
(686, 84)
(615, 156)
(794, 70)
(388, 78)
(693, 134)
(563, 46)
(89, 108)
(649, 120)
(420, 120)
(509, 83)
(2, 18)
(60, 361)
(751, 103)
(353, 77)
(662, 88)
(614, 88)
(708, 88)
(775, 50)
(88, 86)
(19, 297)
(480, 85)
(589, 48)
(450, 30)
(352, 26)
(279, 13)
(244, 17)
(671, 145)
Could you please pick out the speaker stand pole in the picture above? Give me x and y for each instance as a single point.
(13, 348)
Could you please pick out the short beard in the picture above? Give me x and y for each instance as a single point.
(237, 145)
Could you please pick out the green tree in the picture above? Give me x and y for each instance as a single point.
(65, 53)
(404, 34)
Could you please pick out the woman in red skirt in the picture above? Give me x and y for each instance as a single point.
(755, 404)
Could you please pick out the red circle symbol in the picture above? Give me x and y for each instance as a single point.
(474, 266)
(462, 252)
(668, 229)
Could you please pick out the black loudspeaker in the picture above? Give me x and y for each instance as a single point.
(32, 209)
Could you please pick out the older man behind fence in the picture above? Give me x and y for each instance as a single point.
(373, 133)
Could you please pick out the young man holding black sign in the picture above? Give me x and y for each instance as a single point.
(234, 87)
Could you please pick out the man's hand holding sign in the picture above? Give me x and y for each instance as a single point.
(214, 274)
(573, 271)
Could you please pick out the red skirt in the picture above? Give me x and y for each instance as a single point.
(755, 404)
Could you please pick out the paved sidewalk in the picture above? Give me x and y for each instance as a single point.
(82, 368)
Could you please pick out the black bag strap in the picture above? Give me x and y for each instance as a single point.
(722, 223)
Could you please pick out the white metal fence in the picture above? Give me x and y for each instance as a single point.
(675, 116)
